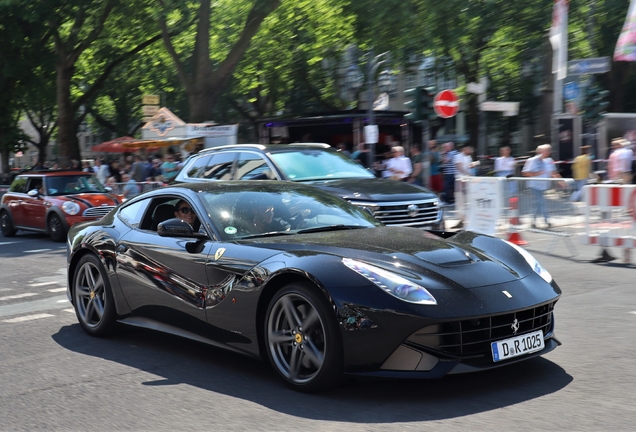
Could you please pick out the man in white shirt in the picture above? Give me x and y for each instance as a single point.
(464, 161)
(399, 166)
(540, 166)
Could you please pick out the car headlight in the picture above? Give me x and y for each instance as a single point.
(71, 208)
(391, 283)
(532, 261)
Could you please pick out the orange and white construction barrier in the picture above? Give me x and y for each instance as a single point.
(514, 236)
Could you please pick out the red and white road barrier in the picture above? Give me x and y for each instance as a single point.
(610, 219)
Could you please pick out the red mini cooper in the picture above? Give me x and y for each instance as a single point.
(52, 201)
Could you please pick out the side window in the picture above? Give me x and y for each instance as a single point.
(220, 166)
(252, 166)
(197, 167)
(132, 214)
(19, 185)
(34, 183)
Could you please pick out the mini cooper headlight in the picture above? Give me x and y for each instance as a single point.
(391, 283)
(536, 266)
(71, 208)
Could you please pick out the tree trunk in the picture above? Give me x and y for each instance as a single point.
(200, 103)
(66, 134)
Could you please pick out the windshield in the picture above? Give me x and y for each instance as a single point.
(249, 214)
(70, 184)
(318, 164)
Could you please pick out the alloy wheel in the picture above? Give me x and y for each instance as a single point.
(296, 338)
(90, 295)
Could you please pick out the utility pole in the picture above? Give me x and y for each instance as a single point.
(372, 67)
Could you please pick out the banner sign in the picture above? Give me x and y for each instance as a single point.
(626, 45)
(485, 202)
(210, 131)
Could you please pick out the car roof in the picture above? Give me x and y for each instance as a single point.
(238, 186)
(269, 148)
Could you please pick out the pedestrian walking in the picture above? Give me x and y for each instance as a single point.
(540, 166)
(417, 163)
(449, 170)
(581, 167)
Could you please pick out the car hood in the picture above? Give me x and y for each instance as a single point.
(468, 259)
(374, 189)
(91, 199)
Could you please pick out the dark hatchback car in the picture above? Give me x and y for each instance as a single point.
(52, 202)
(391, 202)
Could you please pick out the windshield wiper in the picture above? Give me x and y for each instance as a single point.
(338, 227)
(267, 234)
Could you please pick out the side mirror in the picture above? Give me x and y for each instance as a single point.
(33, 193)
(108, 189)
(178, 228)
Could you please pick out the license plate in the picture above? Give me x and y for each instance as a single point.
(516, 346)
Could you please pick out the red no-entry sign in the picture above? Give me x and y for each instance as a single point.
(446, 103)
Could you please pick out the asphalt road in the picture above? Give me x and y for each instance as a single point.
(55, 377)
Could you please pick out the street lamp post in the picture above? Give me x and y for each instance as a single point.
(372, 67)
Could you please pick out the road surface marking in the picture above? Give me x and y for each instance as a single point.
(33, 306)
(37, 250)
(69, 310)
(27, 318)
(57, 290)
(17, 296)
(633, 312)
(6, 243)
(6, 289)
(41, 284)
(62, 301)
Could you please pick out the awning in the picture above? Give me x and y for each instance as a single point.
(189, 142)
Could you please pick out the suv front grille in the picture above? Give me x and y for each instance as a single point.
(414, 213)
(472, 337)
(97, 212)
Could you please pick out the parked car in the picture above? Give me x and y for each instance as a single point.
(391, 202)
(289, 273)
(52, 201)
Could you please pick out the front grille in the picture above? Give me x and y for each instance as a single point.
(398, 213)
(469, 338)
(97, 212)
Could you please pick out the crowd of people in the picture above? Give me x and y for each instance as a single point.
(125, 173)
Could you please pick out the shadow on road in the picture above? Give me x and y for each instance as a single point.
(363, 401)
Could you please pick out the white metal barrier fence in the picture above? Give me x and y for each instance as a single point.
(527, 203)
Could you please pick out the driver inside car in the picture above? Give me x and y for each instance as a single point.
(184, 211)
(258, 216)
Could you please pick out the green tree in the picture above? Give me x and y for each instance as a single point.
(219, 45)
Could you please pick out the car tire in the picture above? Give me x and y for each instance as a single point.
(302, 338)
(6, 225)
(56, 228)
(93, 297)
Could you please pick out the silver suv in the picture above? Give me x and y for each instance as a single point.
(391, 202)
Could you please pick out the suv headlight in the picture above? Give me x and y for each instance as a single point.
(532, 261)
(71, 208)
(391, 283)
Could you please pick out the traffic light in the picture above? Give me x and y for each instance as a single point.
(595, 104)
(421, 104)
(428, 101)
(416, 95)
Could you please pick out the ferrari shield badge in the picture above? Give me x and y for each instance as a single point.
(219, 253)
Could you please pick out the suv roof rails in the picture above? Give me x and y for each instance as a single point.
(258, 146)
(321, 145)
